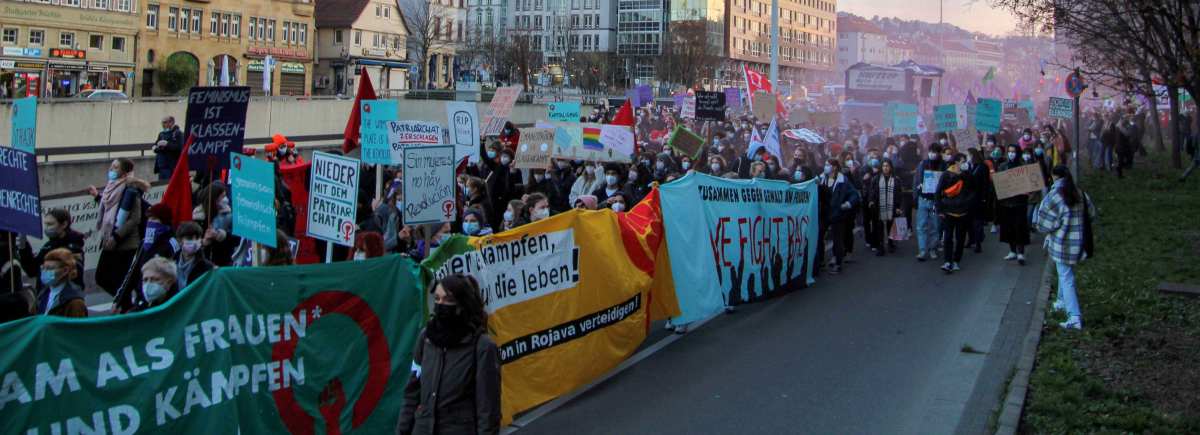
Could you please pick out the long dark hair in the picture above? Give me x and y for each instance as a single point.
(1070, 195)
(465, 290)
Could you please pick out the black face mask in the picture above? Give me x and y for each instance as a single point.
(448, 326)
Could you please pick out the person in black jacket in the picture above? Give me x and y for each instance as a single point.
(927, 222)
(843, 200)
(955, 197)
(454, 386)
(885, 202)
(983, 209)
(56, 225)
(612, 185)
(497, 161)
(1012, 213)
(167, 148)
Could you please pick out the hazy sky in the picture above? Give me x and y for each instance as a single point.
(973, 15)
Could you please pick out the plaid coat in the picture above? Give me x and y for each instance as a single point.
(1063, 225)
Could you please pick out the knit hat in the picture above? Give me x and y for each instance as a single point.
(589, 201)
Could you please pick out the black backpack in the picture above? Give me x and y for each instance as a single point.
(1089, 244)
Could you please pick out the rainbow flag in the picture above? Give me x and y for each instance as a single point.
(591, 138)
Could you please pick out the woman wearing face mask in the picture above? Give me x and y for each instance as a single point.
(1027, 140)
(612, 183)
(158, 241)
(474, 224)
(590, 178)
(514, 215)
(870, 222)
(158, 284)
(955, 196)
(367, 244)
(190, 264)
(885, 204)
(539, 183)
(454, 386)
(617, 203)
(1012, 214)
(984, 206)
(539, 207)
(60, 296)
(56, 225)
(716, 166)
(1064, 215)
(842, 201)
(121, 215)
(637, 186)
(216, 217)
(499, 178)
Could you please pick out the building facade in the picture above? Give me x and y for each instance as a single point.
(357, 34)
(180, 36)
(439, 27)
(859, 40)
(61, 49)
(807, 37)
(641, 25)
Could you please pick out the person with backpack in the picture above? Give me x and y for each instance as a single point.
(120, 225)
(1065, 215)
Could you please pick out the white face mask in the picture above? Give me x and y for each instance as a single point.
(360, 256)
(715, 167)
(932, 156)
(618, 206)
(611, 180)
(964, 166)
(508, 215)
(537, 178)
(153, 291)
(686, 165)
(633, 176)
(505, 160)
(538, 215)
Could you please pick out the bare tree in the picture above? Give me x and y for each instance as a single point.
(687, 56)
(595, 70)
(523, 52)
(428, 26)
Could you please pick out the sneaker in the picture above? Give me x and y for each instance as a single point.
(946, 267)
(669, 326)
(1021, 259)
(994, 229)
(681, 329)
(921, 256)
(1059, 305)
(954, 267)
(1073, 323)
(1011, 256)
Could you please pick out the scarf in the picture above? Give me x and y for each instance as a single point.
(887, 190)
(110, 202)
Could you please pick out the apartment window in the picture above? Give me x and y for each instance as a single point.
(225, 25)
(118, 43)
(387, 11)
(214, 27)
(358, 37)
(252, 29)
(235, 26)
(37, 37)
(537, 22)
(287, 32)
(11, 35)
(66, 39)
(375, 40)
(378, 10)
(173, 19)
(152, 17)
(304, 34)
(396, 43)
(196, 20)
(185, 17)
(101, 4)
(337, 37)
(74, 3)
(124, 5)
(596, 20)
(96, 42)
(271, 30)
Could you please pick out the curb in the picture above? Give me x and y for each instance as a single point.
(1014, 401)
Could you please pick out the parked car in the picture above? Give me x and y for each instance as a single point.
(103, 95)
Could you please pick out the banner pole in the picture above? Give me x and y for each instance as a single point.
(12, 272)
(378, 181)
(328, 252)
(254, 255)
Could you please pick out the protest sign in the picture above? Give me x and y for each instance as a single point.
(567, 111)
(402, 134)
(534, 151)
(375, 139)
(733, 98)
(500, 109)
(966, 115)
(799, 115)
(429, 188)
(252, 198)
(764, 106)
(247, 350)
(570, 296)
(20, 197)
(904, 119)
(645, 95)
(689, 108)
(710, 106)
(584, 142)
(462, 120)
(85, 214)
(1061, 108)
(332, 198)
(1030, 109)
(743, 240)
(687, 143)
(987, 115)
(617, 138)
(945, 118)
(929, 182)
(1019, 180)
(216, 120)
(24, 124)
(967, 138)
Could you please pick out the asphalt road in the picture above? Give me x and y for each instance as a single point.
(890, 346)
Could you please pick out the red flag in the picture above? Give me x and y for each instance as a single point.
(625, 117)
(365, 92)
(179, 190)
(756, 81)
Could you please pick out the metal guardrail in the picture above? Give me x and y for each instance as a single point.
(143, 148)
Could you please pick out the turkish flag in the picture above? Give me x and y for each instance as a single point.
(365, 92)
(179, 190)
(755, 82)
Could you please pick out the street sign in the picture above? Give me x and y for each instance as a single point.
(1074, 85)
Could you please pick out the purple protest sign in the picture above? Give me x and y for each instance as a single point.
(632, 96)
(733, 98)
(645, 95)
(679, 100)
(20, 211)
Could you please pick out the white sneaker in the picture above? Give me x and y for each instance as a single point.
(1073, 323)
(954, 267)
(1011, 256)
(921, 256)
(669, 326)
(681, 329)
(947, 267)
(1021, 259)
(994, 229)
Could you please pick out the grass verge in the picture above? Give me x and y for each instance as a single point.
(1135, 367)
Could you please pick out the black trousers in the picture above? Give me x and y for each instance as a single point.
(883, 230)
(954, 236)
(836, 230)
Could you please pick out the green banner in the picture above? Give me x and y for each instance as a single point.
(298, 349)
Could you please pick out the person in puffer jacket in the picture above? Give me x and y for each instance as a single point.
(955, 197)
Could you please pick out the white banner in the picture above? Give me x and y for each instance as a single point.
(85, 212)
(332, 198)
(402, 134)
(429, 186)
(877, 80)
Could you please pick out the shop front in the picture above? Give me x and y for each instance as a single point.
(105, 76)
(288, 77)
(291, 78)
(22, 73)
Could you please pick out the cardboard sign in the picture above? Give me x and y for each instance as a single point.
(987, 115)
(967, 138)
(1061, 108)
(566, 111)
(252, 198)
(689, 108)
(500, 109)
(764, 106)
(799, 115)
(733, 98)
(462, 120)
(1018, 181)
(402, 134)
(929, 183)
(376, 114)
(945, 118)
(20, 198)
(688, 143)
(904, 119)
(710, 106)
(534, 151)
(429, 187)
(333, 198)
(24, 124)
(216, 120)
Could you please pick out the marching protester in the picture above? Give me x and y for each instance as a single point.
(955, 197)
(841, 205)
(885, 203)
(1065, 216)
(61, 297)
(190, 263)
(167, 148)
(1012, 212)
(475, 223)
(159, 284)
(215, 215)
(454, 386)
(497, 160)
(984, 204)
(927, 221)
(121, 216)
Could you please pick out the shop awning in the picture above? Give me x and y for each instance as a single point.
(375, 62)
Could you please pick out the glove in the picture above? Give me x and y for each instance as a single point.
(846, 205)
(162, 143)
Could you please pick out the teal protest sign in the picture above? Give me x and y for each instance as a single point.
(904, 119)
(1061, 108)
(1029, 108)
(709, 221)
(987, 115)
(376, 148)
(24, 124)
(566, 111)
(252, 187)
(266, 350)
(945, 118)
